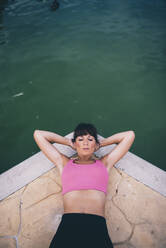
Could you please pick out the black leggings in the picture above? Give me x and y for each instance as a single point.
(79, 230)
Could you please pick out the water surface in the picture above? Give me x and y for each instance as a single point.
(102, 62)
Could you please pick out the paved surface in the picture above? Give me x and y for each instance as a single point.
(135, 214)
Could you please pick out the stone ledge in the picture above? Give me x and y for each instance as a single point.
(135, 214)
(35, 166)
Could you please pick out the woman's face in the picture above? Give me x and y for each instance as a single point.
(85, 145)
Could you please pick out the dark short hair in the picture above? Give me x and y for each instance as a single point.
(84, 129)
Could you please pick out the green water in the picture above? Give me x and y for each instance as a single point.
(102, 62)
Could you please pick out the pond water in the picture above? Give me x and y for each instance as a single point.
(102, 62)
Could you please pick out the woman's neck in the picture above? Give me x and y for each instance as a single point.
(84, 159)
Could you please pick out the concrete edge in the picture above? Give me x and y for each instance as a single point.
(27, 171)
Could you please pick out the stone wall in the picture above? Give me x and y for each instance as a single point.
(135, 214)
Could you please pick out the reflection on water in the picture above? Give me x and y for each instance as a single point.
(97, 61)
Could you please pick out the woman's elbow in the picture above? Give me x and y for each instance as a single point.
(36, 133)
(132, 134)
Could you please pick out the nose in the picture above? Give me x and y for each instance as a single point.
(85, 142)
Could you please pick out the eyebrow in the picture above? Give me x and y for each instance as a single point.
(89, 136)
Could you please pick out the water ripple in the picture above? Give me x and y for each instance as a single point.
(24, 8)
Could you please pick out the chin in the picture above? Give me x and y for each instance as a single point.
(87, 153)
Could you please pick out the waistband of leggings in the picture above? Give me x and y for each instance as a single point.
(84, 215)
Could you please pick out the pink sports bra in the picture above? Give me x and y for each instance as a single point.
(84, 176)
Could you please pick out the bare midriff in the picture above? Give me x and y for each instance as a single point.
(85, 201)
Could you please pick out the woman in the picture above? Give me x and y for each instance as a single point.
(84, 183)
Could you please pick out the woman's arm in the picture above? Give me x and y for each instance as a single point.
(124, 140)
(44, 140)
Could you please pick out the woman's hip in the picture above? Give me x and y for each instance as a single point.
(82, 230)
